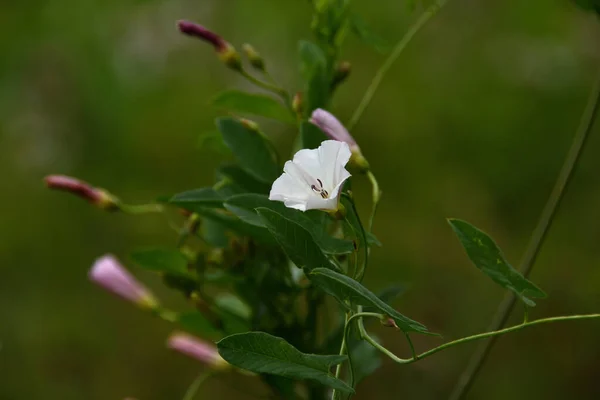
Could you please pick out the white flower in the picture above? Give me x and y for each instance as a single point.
(314, 178)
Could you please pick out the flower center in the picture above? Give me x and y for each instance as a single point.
(324, 194)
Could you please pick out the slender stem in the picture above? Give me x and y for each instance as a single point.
(141, 208)
(262, 84)
(376, 198)
(537, 239)
(505, 331)
(195, 386)
(343, 349)
(468, 339)
(397, 51)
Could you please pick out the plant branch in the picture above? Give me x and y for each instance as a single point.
(396, 52)
(467, 339)
(195, 386)
(537, 239)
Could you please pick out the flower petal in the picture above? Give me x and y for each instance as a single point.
(333, 156)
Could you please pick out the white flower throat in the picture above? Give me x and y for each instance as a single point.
(324, 194)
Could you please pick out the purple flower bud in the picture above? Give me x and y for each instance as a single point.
(226, 51)
(111, 275)
(332, 127)
(198, 349)
(96, 196)
(336, 131)
(195, 30)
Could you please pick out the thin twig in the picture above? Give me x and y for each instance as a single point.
(396, 52)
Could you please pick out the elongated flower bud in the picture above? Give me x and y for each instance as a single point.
(224, 49)
(254, 57)
(334, 129)
(196, 348)
(111, 275)
(298, 103)
(98, 197)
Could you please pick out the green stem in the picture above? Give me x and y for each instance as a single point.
(376, 198)
(467, 339)
(338, 368)
(537, 239)
(141, 209)
(195, 386)
(270, 87)
(398, 49)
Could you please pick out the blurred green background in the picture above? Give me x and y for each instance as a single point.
(473, 122)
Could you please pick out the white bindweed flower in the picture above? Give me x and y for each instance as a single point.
(314, 178)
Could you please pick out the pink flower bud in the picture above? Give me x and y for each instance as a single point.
(389, 323)
(198, 349)
(226, 51)
(111, 275)
(333, 128)
(99, 197)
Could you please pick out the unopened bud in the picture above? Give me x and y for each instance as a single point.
(341, 73)
(249, 124)
(96, 196)
(298, 104)
(254, 57)
(225, 50)
(334, 129)
(389, 322)
(196, 348)
(111, 275)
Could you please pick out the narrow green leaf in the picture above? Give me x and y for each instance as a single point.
(161, 260)
(487, 256)
(262, 353)
(344, 289)
(296, 241)
(197, 323)
(234, 305)
(245, 205)
(252, 103)
(311, 136)
(191, 200)
(313, 67)
(250, 148)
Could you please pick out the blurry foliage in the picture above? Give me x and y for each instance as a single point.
(472, 122)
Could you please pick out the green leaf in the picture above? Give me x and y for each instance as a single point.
(360, 28)
(589, 5)
(313, 67)
(213, 140)
(250, 148)
(487, 256)
(311, 135)
(246, 182)
(255, 104)
(193, 199)
(214, 233)
(296, 241)
(245, 205)
(161, 260)
(366, 359)
(197, 323)
(234, 305)
(234, 224)
(262, 353)
(345, 289)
